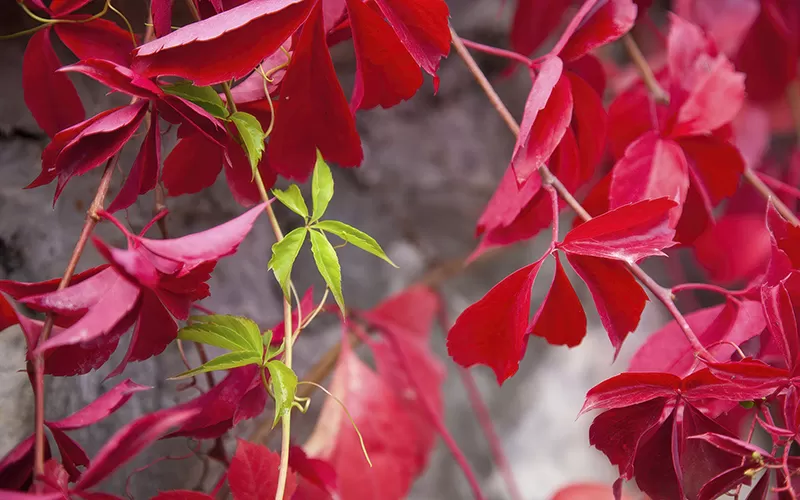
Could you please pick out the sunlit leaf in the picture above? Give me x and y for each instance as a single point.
(321, 187)
(228, 332)
(284, 254)
(293, 199)
(284, 387)
(205, 97)
(252, 136)
(328, 265)
(355, 237)
(225, 362)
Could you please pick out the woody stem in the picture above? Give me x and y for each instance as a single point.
(662, 294)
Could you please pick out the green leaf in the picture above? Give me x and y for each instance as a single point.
(284, 388)
(234, 333)
(266, 339)
(328, 265)
(205, 97)
(252, 136)
(747, 404)
(284, 254)
(321, 187)
(293, 199)
(224, 362)
(355, 237)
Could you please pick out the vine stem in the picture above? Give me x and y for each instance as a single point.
(793, 95)
(508, 54)
(38, 362)
(662, 294)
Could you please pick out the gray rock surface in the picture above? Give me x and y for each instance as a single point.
(431, 165)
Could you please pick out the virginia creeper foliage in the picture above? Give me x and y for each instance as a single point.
(687, 153)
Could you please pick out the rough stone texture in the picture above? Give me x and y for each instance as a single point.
(430, 166)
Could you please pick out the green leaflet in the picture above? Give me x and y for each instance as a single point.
(252, 136)
(355, 237)
(293, 199)
(205, 97)
(224, 362)
(328, 265)
(284, 388)
(321, 187)
(228, 332)
(284, 254)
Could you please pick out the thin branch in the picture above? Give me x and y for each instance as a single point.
(769, 195)
(648, 77)
(508, 54)
(661, 293)
(38, 362)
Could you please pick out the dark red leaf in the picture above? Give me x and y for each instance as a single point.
(385, 72)
(781, 321)
(534, 21)
(718, 163)
(116, 77)
(651, 168)
(129, 441)
(192, 165)
(605, 24)
(62, 7)
(318, 472)
(100, 408)
(547, 114)
(667, 350)
(656, 462)
(423, 27)
(178, 110)
(628, 233)
(492, 331)
(253, 473)
(8, 316)
(162, 16)
(312, 112)
(144, 171)
(631, 115)
(628, 389)
(589, 121)
(550, 322)
(49, 95)
(736, 248)
(239, 174)
(72, 454)
(306, 308)
(784, 236)
(97, 39)
(617, 296)
(16, 468)
(734, 446)
(224, 47)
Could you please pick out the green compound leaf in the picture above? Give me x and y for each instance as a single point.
(293, 199)
(321, 187)
(234, 333)
(205, 97)
(355, 237)
(284, 254)
(225, 362)
(252, 136)
(284, 388)
(328, 265)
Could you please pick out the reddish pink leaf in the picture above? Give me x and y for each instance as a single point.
(630, 116)
(16, 468)
(534, 21)
(605, 24)
(239, 175)
(72, 454)
(388, 430)
(736, 248)
(608, 280)
(178, 110)
(589, 121)
(306, 308)
(667, 350)
(119, 78)
(423, 27)
(253, 473)
(651, 168)
(784, 236)
(129, 441)
(318, 472)
(782, 322)
(162, 16)
(627, 389)
(223, 47)
(8, 316)
(182, 495)
(144, 171)
(97, 39)
(628, 233)
(550, 322)
(587, 491)
(718, 163)
(547, 114)
(192, 165)
(49, 95)
(591, 70)
(726, 21)
(725, 481)
(508, 202)
(100, 408)
(734, 446)
(686, 42)
(493, 330)
(385, 72)
(62, 7)
(409, 314)
(312, 112)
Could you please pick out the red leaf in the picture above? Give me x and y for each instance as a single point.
(423, 27)
(627, 389)
(784, 236)
(129, 441)
(547, 114)
(631, 116)
(16, 468)
(492, 331)
(182, 495)
(239, 175)
(119, 78)
(534, 21)
(628, 233)
(62, 7)
(100, 408)
(318, 472)
(550, 322)
(97, 39)
(192, 165)
(589, 121)
(144, 171)
(736, 248)
(306, 308)
(782, 322)
(223, 47)
(667, 350)
(608, 281)
(651, 168)
(587, 491)
(253, 473)
(312, 112)
(8, 316)
(726, 481)
(605, 24)
(409, 314)
(178, 110)
(388, 430)
(162, 16)
(718, 163)
(49, 95)
(385, 72)
(72, 454)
